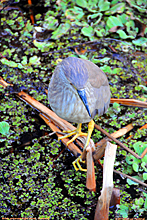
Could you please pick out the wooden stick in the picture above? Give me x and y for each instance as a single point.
(90, 179)
(130, 102)
(46, 111)
(100, 146)
(122, 131)
(115, 197)
(102, 208)
(125, 175)
(100, 149)
(117, 141)
(131, 178)
(143, 127)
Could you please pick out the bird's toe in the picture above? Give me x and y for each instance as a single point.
(77, 164)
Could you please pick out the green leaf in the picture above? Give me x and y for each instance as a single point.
(29, 26)
(142, 41)
(139, 147)
(43, 45)
(50, 23)
(123, 35)
(75, 13)
(82, 3)
(24, 60)
(103, 5)
(34, 60)
(113, 21)
(144, 159)
(132, 115)
(131, 29)
(133, 4)
(139, 201)
(131, 182)
(106, 69)
(60, 31)
(20, 66)
(143, 164)
(145, 204)
(123, 18)
(145, 176)
(37, 155)
(9, 63)
(130, 159)
(143, 87)
(118, 8)
(135, 167)
(100, 32)
(114, 2)
(87, 31)
(123, 210)
(116, 105)
(4, 128)
(96, 15)
(92, 5)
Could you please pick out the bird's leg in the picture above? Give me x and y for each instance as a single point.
(76, 134)
(76, 163)
(90, 130)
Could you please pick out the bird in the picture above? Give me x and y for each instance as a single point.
(78, 91)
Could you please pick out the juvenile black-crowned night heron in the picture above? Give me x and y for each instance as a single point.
(78, 90)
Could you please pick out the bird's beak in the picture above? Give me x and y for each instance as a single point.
(83, 97)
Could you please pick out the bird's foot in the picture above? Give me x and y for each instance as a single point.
(76, 134)
(77, 164)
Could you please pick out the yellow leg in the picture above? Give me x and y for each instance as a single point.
(76, 163)
(76, 134)
(90, 130)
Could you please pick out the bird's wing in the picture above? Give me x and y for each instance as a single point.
(97, 77)
(101, 89)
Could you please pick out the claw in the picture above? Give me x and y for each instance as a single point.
(76, 134)
(77, 164)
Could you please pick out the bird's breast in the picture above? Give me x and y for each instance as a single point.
(68, 105)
